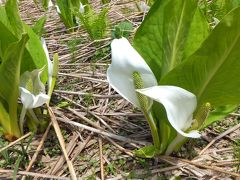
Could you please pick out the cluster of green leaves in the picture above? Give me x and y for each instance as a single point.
(123, 29)
(94, 23)
(67, 10)
(20, 50)
(176, 43)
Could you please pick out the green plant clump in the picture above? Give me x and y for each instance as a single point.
(94, 23)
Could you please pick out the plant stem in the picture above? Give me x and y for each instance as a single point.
(33, 115)
(153, 128)
(22, 116)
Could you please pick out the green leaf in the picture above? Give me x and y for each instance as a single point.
(146, 152)
(13, 15)
(166, 132)
(198, 32)
(6, 33)
(66, 9)
(148, 38)
(217, 114)
(178, 15)
(162, 36)
(38, 27)
(4, 119)
(45, 4)
(212, 72)
(76, 4)
(10, 76)
(94, 23)
(34, 55)
(123, 29)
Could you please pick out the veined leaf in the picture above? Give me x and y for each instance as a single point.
(6, 33)
(34, 55)
(10, 76)
(162, 36)
(212, 72)
(14, 17)
(198, 32)
(178, 16)
(148, 38)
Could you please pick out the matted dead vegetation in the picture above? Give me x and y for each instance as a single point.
(100, 128)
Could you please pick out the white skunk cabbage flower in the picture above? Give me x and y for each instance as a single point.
(126, 61)
(50, 4)
(81, 8)
(32, 93)
(32, 90)
(179, 103)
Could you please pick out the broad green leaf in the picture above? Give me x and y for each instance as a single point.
(162, 36)
(149, 36)
(13, 15)
(10, 75)
(178, 16)
(212, 72)
(34, 55)
(6, 33)
(4, 119)
(198, 32)
(38, 27)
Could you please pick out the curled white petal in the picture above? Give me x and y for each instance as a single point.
(179, 105)
(125, 61)
(58, 10)
(31, 101)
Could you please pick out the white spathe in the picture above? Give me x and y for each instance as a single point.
(32, 90)
(179, 105)
(50, 4)
(126, 61)
(30, 100)
(81, 8)
(50, 64)
(58, 9)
